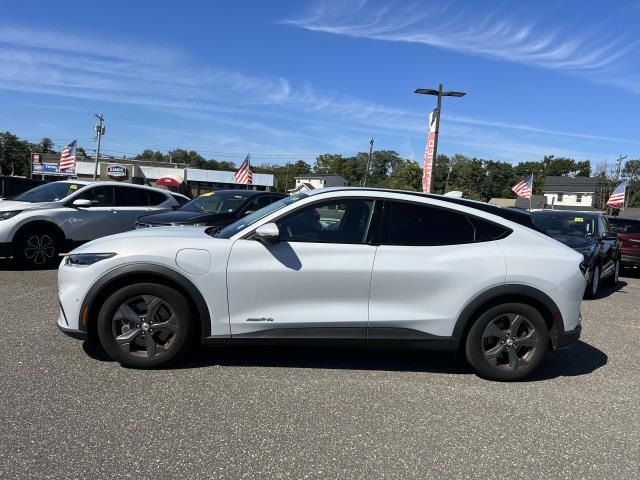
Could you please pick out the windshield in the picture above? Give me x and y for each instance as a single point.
(217, 202)
(50, 192)
(575, 225)
(235, 227)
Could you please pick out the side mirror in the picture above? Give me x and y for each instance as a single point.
(81, 203)
(267, 233)
(609, 236)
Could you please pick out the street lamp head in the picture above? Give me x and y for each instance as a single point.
(426, 91)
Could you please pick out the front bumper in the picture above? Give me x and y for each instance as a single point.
(73, 333)
(630, 260)
(560, 340)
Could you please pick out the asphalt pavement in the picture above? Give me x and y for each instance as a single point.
(67, 411)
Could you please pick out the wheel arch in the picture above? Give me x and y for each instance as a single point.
(44, 224)
(139, 273)
(506, 294)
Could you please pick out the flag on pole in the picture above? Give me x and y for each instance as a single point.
(244, 175)
(68, 158)
(616, 200)
(524, 187)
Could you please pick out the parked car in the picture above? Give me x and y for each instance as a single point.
(212, 209)
(11, 186)
(37, 225)
(590, 234)
(628, 231)
(337, 264)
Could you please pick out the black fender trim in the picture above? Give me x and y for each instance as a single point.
(514, 292)
(141, 269)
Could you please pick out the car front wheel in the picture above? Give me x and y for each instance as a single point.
(507, 342)
(612, 280)
(594, 285)
(145, 325)
(37, 249)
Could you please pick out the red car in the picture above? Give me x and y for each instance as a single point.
(628, 230)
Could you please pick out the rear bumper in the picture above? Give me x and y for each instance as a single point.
(560, 340)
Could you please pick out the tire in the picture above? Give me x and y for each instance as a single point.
(612, 280)
(507, 342)
(145, 325)
(594, 284)
(37, 248)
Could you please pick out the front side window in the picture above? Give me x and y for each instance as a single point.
(335, 221)
(244, 222)
(99, 196)
(424, 225)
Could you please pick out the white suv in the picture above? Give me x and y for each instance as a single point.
(37, 225)
(334, 265)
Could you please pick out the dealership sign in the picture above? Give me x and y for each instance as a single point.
(49, 169)
(432, 138)
(117, 171)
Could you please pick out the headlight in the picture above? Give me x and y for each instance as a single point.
(84, 259)
(7, 215)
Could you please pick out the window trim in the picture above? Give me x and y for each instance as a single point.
(475, 221)
(374, 220)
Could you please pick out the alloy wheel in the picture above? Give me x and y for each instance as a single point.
(40, 248)
(145, 326)
(509, 341)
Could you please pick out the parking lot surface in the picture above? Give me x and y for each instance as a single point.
(69, 412)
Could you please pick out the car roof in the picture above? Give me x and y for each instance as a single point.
(514, 215)
(624, 219)
(568, 213)
(249, 193)
(112, 183)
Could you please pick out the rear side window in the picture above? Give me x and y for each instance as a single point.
(416, 224)
(624, 226)
(131, 197)
(487, 231)
(178, 198)
(156, 198)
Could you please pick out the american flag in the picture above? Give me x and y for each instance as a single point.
(616, 200)
(524, 187)
(244, 175)
(68, 157)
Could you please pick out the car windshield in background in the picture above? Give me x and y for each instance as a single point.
(556, 224)
(235, 227)
(620, 225)
(50, 192)
(216, 202)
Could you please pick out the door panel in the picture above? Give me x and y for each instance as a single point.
(89, 223)
(299, 285)
(131, 203)
(425, 288)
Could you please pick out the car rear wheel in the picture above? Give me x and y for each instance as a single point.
(145, 325)
(612, 280)
(507, 342)
(594, 284)
(37, 249)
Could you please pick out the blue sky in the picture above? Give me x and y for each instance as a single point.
(289, 80)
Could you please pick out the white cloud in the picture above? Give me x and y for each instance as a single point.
(449, 26)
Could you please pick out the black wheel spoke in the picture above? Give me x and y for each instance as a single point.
(494, 353)
(528, 341)
(126, 338)
(128, 314)
(153, 305)
(516, 323)
(514, 359)
(492, 330)
(150, 345)
(171, 325)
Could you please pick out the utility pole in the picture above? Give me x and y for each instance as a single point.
(99, 133)
(286, 179)
(430, 159)
(364, 183)
(619, 165)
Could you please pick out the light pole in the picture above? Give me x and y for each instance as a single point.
(430, 156)
(364, 183)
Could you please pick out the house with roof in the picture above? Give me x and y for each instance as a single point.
(310, 182)
(571, 193)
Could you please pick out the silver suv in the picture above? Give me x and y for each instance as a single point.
(37, 225)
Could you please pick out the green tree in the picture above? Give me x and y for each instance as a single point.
(406, 175)
(15, 154)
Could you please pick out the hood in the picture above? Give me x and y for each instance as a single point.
(575, 242)
(12, 205)
(167, 235)
(184, 217)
